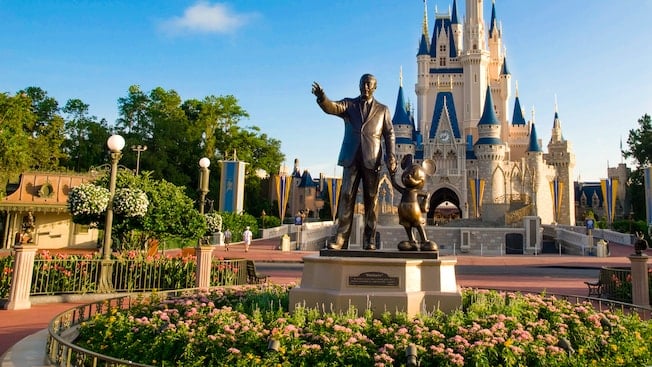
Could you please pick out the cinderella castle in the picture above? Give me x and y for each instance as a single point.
(490, 163)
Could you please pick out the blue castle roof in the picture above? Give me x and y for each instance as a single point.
(443, 24)
(492, 23)
(517, 116)
(488, 114)
(504, 70)
(401, 115)
(454, 13)
(306, 180)
(423, 46)
(534, 141)
(447, 98)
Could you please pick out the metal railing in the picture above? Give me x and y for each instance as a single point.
(81, 276)
(62, 331)
(616, 283)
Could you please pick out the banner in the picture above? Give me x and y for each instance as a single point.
(283, 184)
(557, 192)
(232, 183)
(334, 186)
(477, 191)
(609, 192)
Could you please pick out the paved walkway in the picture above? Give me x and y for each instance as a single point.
(18, 328)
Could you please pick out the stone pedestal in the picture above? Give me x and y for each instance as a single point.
(204, 262)
(640, 281)
(21, 281)
(380, 283)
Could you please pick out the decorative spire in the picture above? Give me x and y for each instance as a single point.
(454, 13)
(425, 19)
(492, 23)
(401, 113)
(517, 115)
(400, 78)
(504, 70)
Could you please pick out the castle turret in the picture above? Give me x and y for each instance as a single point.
(490, 151)
(403, 125)
(561, 157)
(456, 26)
(423, 71)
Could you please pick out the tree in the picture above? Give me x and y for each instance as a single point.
(639, 142)
(47, 131)
(16, 119)
(85, 144)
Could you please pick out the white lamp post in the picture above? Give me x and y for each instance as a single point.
(138, 149)
(115, 143)
(204, 172)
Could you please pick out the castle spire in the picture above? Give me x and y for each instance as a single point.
(534, 145)
(454, 19)
(425, 19)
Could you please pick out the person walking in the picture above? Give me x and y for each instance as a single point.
(227, 239)
(246, 237)
(367, 124)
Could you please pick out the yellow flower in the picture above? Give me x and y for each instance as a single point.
(614, 347)
(509, 342)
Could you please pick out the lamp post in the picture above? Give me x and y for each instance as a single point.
(203, 253)
(115, 143)
(138, 149)
(204, 172)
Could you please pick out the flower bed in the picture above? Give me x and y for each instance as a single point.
(249, 326)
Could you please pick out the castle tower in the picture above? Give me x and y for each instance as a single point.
(537, 179)
(561, 157)
(490, 152)
(403, 126)
(475, 61)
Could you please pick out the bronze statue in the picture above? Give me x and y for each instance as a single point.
(29, 224)
(414, 202)
(366, 123)
(640, 244)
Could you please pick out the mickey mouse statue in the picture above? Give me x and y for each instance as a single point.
(414, 202)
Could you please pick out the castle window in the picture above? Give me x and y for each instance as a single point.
(442, 48)
(442, 61)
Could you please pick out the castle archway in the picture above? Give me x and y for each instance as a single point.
(444, 207)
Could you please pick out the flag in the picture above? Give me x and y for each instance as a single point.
(609, 192)
(334, 185)
(283, 184)
(556, 190)
(477, 191)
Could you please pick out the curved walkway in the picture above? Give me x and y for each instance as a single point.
(22, 336)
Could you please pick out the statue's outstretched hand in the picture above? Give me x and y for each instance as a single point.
(317, 90)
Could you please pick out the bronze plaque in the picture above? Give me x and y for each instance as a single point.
(374, 278)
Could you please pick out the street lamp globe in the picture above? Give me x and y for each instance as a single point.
(115, 143)
(204, 162)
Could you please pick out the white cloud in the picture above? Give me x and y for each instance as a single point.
(204, 17)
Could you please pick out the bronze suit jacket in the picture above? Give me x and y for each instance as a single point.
(361, 133)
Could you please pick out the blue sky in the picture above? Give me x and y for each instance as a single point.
(594, 56)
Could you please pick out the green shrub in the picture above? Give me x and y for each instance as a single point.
(235, 327)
